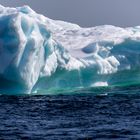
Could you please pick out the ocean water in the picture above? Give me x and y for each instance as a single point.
(90, 114)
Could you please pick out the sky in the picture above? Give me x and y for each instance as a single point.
(86, 13)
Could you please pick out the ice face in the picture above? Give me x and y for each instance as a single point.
(39, 53)
(21, 56)
(27, 50)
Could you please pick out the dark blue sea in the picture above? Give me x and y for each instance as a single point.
(84, 115)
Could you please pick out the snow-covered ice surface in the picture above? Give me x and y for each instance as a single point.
(38, 53)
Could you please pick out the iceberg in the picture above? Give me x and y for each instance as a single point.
(38, 53)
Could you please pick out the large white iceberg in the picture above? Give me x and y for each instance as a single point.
(40, 53)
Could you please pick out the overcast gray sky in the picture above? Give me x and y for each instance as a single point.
(86, 13)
